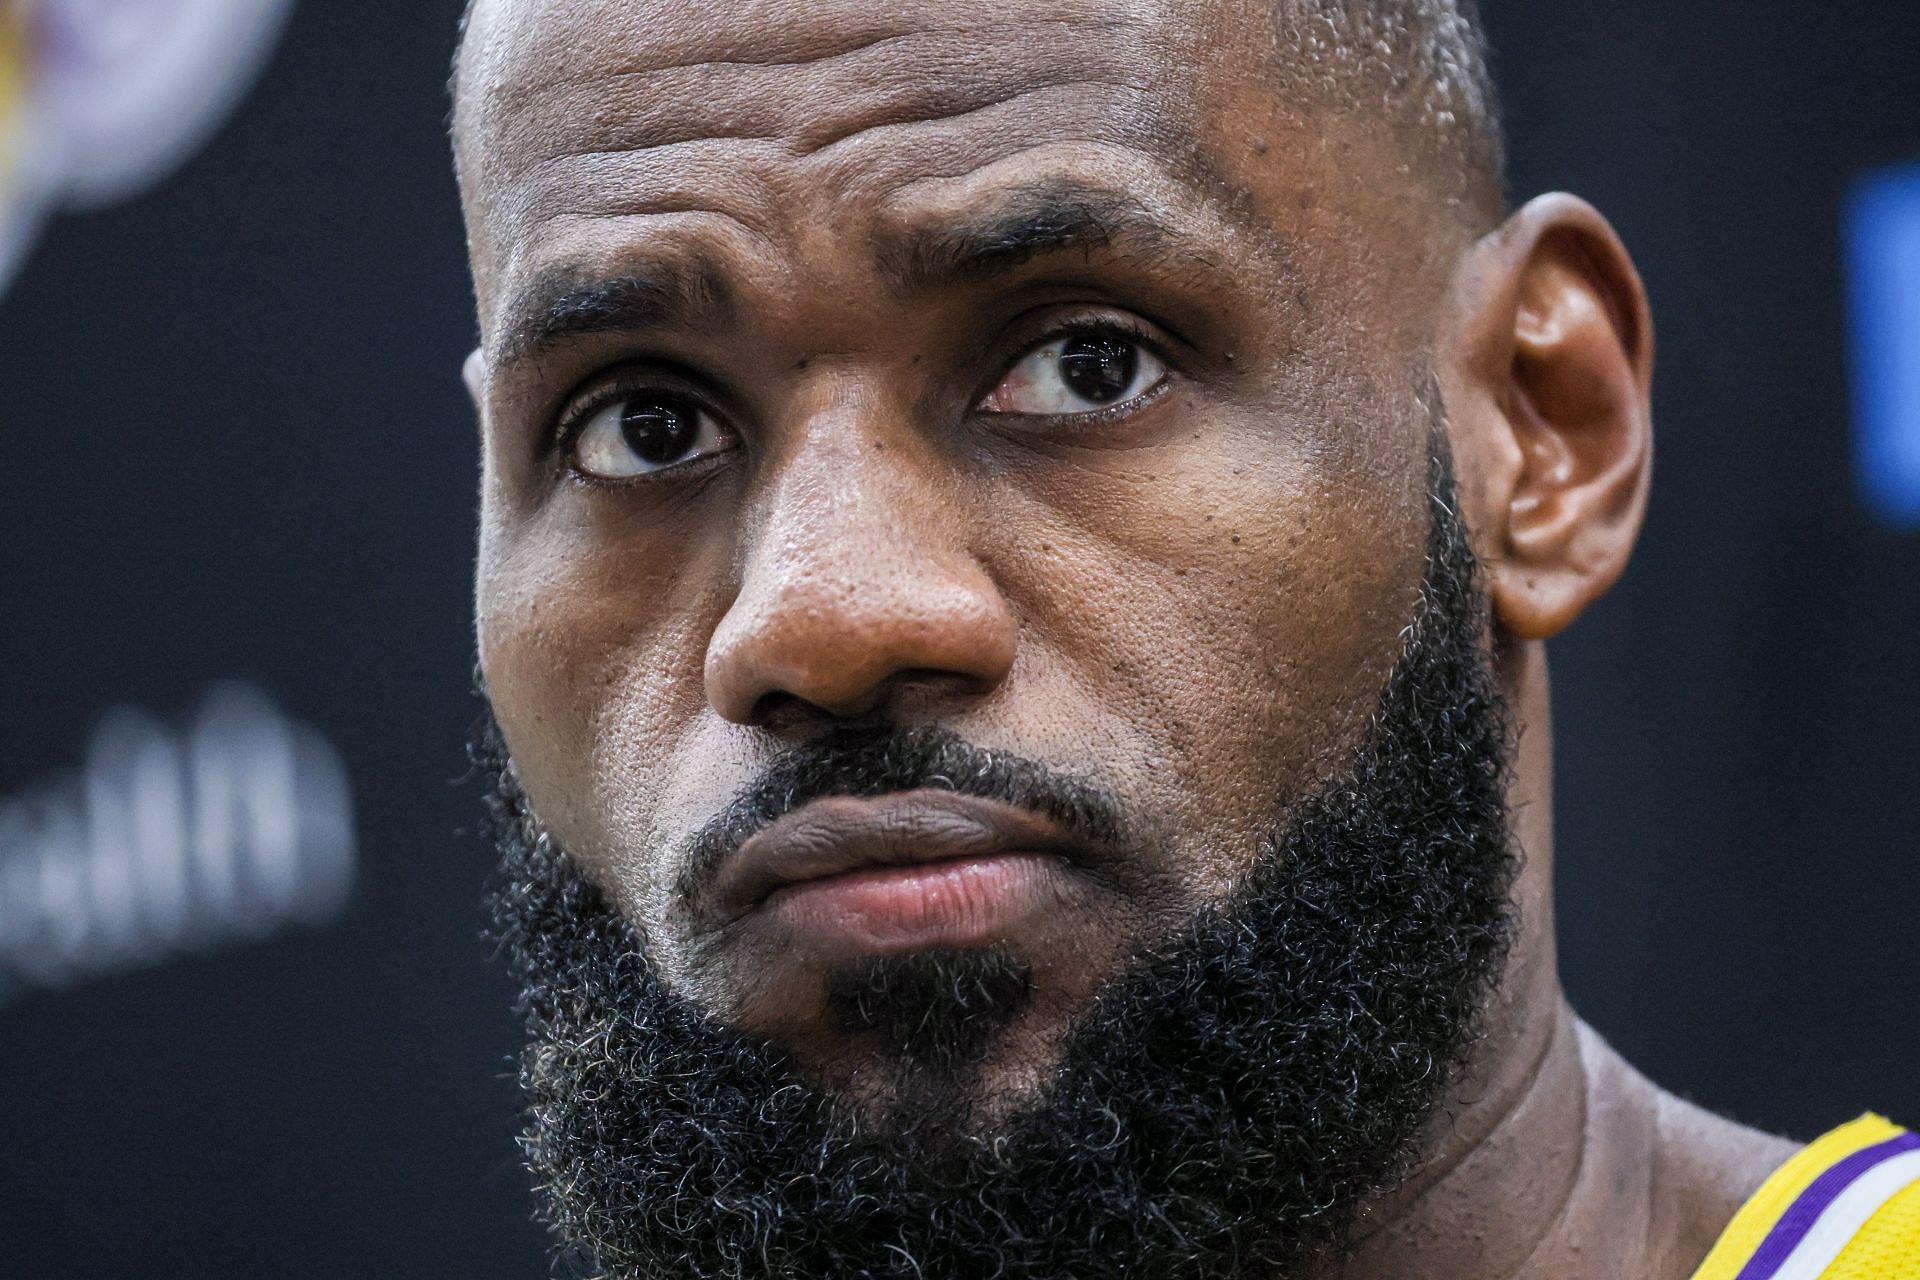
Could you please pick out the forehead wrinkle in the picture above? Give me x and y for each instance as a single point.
(749, 34)
(1018, 225)
(1121, 121)
(1169, 208)
(806, 104)
(709, 178)
(763, 184)
(875, 162)
(1085, 110)
(510, 97)
(813, 143)
(646, 134)
(869, 46)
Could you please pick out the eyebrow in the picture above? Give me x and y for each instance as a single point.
(562, 305)
(1028, 223)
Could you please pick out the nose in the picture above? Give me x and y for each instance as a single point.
(858, 583)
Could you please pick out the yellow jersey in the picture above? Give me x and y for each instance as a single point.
(1845, 1208)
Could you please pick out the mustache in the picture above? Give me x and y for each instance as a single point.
(867, 762)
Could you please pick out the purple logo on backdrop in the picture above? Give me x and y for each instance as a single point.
(100, 99)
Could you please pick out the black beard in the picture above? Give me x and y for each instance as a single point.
(939, 1012)
(1223, 1109)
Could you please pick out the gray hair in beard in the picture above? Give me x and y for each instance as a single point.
(1222, 1110)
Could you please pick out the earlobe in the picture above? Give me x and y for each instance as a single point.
(1560, 342)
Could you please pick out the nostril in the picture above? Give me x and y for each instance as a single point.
(781, 712)
(904, 695)
(785, 713)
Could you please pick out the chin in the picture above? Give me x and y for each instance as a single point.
(970, 1034)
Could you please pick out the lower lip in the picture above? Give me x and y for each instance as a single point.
(966, 902)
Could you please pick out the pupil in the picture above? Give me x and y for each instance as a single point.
(659, 431)
(1098, 369)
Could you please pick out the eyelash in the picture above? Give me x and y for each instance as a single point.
(1128, 330)
(1090, 327)
(581, 409)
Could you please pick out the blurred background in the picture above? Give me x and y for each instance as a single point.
(247, 1023)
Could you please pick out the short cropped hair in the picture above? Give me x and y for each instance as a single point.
(1425, 62)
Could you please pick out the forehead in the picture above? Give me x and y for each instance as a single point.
(837, 116)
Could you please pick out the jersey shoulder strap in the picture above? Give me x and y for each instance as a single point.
(1845, 1208)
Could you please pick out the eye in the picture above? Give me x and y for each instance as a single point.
(640, 434)
(1077, 373)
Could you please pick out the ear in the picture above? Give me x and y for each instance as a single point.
(474, 373)
(1551, 365)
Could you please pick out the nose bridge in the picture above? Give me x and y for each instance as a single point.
(833, 518)
(857, 574)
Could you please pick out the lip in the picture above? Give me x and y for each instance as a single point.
(857, 839)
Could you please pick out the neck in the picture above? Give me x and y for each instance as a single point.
(1555, 1160)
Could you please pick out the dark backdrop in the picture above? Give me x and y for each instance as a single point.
(236, 445)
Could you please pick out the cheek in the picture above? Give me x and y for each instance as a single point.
(1238, 610)
(591, 640)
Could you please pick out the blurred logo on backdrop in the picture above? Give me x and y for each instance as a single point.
(167, 841)
(1883, 267)
(100, 99)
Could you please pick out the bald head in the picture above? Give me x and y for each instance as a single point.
(1419, 66)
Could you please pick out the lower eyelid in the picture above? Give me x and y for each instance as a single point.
(1091, 417)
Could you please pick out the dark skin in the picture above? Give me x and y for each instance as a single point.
(841, 239)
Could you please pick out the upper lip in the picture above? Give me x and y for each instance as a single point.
(838, 834)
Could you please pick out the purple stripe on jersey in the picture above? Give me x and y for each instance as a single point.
(1806, 1210)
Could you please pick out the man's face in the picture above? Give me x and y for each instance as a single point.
(1029, 374)
(1001, 760)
